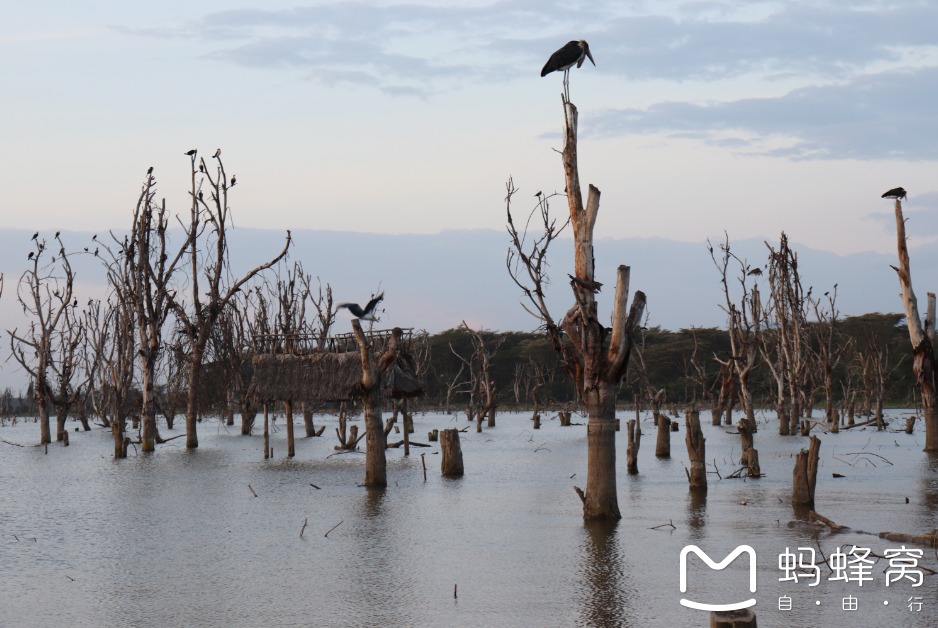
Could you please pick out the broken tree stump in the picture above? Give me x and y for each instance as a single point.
(696, 452)
(743, 618)
(804, 475)
(663, 444)
(451, 464)
(433, 435)
(635, 439)
(564, 418)
(748, 457)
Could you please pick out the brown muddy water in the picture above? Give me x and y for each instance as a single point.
(177, 538)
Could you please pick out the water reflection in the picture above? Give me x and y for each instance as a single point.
(697, 513)
(605, 586)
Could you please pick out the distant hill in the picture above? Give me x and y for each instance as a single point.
(434, 282)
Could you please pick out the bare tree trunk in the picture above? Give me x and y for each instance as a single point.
(266, 432)
(635, 439)
(308, 420)
(696, 452)
(451, 464)
(288, 414)
(663, 444)
(804, 476)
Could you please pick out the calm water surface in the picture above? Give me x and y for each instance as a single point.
(176, 538)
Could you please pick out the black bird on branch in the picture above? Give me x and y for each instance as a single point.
(191, 153)
(35, 235)
(572, 53)
(895, 193)
(367, 314)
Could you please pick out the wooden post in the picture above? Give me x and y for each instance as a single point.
(451, 465)
(663, 444)
(804, 475)
(288, 417)
(635, 439)
(696, 451)
(266, 432)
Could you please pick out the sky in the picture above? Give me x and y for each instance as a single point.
(698, 118)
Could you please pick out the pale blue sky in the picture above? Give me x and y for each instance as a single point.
(699, 117)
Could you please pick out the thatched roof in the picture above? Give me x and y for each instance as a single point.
(321, 377)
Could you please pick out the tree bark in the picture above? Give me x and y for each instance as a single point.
(804, 475)
(696, 452)
(635, 439)
(663, 444)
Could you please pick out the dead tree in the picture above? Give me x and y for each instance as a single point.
(374, 368)
(743, 324)
(69, 375)
(788, 322)
(921, 335)
(482, 355)
(111, 344)
(828, 355)
(594, 359)
(45, 292)
(804, 475)
(696, 452)
(211, 285)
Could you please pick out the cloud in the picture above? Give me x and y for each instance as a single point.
(886, 115)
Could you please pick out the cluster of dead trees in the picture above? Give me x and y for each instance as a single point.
(173, 304)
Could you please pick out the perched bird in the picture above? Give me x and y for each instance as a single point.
(35, 235)
(150, 170)
(367, 314)
(217, 153)
(573, 53)
(191, 153)
(895, 193)
(57, 234)
(30, 256)
(234, 180)
(755, 271)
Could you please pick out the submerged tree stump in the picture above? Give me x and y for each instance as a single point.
(635, 440)
(564, 418)
(663, 444)
(748, 457)
(433, 435)
(451, 465)
(743, 618)
(696, 452)
(804, 475)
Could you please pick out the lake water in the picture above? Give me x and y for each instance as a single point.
(177, 538)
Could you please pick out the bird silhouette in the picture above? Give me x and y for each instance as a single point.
(217, 153)
(35, 235)
(150, 170)
(894, 193)
(191, 153)
(31, 254)
(57, 234)
(367, 314)
(233, 181)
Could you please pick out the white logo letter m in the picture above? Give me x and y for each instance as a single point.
(719, 566)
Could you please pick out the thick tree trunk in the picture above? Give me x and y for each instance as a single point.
(696, 452)
(663, 444)
(635, 439)
(60, 418)
(308, 420)
(376, 473)
(451, 464)
(600, 501)
(45, 432)
(804, 475)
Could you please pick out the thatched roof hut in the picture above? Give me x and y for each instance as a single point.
(322, 377)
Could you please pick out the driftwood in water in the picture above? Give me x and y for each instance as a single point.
(663, 444)
(830, 524)
(635, 439)
(928, 540)
(451, 465)
(696, 452)
(804, 475)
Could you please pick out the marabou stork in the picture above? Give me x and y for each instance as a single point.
(573, 53)
(367, 314)
(895, 193)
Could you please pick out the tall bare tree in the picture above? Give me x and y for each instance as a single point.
(921, 335)
(211, 284)
(743, 322)
(45, 292)
(595, 360)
